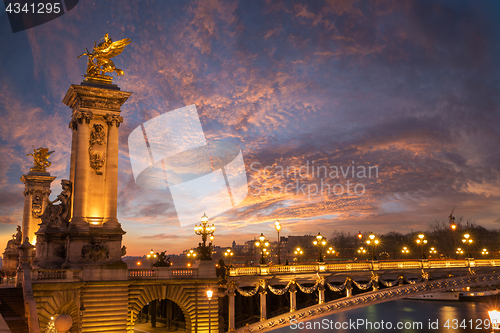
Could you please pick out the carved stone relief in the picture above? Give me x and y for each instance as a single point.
(95, 251)
(97, 143)
(36, 206)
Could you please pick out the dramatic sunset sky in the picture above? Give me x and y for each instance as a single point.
(411, 87)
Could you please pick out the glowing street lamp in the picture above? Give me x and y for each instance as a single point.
(263, 244)
(459, 251)
(362, 251)
(320, 242)
(151, 255)
(432, 250)
(421, 241)
(228, 254)
(277, 225)
(209, 296)
(494, 319)
(204, 231)
(484, 252)
(467, 240)
(360, 235)
(405, 251)
(298, 252)
(330, 251)
(192, 255)
(372, 241)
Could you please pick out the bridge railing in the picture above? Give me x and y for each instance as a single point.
(162, 273)
(73, 275)
(56, 275)
(362, 266)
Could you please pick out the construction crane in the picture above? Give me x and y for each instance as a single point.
(453, 226)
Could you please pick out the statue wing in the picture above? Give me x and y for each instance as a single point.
(115, 48)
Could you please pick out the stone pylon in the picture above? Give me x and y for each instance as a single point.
(91, 235)
(36, 193)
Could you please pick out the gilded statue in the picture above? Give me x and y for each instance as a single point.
(40, 158)
(99, 60)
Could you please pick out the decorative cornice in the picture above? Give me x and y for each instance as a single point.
(38, 191)
(95, 98)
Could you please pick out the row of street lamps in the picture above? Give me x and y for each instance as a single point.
(207, 232)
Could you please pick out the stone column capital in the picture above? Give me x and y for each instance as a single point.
(112, 119)
(79, 117)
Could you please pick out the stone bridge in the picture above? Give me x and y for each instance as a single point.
(110, 299)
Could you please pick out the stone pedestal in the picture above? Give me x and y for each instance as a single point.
(36, 194)
(206, 269)
(11, 254)
(10, 262)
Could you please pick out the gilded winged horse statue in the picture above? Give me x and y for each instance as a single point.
(99, 60)
(40, 158)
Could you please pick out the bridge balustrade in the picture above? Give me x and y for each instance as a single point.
(487, 262)
(163, 273)
(68, 275)
(361, 266)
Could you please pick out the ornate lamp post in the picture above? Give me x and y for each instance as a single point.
(298, 252)
(204, 231)
(320, 242)
(484, 252)
(151, 255)
(330, 251)
(209, 296)
(277, 225)
(362, 251)
(228, 254)
(432, 251)
(467, 241)
(372, 241)
(459, 251)
(405, 251)
(263, 244)
(421, 241)
(192, 255)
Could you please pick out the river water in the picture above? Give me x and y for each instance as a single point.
(404, 316)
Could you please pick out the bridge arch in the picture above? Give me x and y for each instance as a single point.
(52, 303)
(191, 299)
